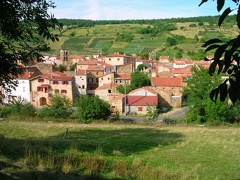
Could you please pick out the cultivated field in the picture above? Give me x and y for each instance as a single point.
(32, 149)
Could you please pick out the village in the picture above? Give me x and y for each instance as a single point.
(100, 75)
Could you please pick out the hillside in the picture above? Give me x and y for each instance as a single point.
(175, 37)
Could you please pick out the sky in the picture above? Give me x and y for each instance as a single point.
(133, 9)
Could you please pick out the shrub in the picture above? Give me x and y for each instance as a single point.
(92, 108)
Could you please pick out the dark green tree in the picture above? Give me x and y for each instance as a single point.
(92, 108)
(201, 107)
(25, 28)
(139, 79)
(229, 50)
(141, 67)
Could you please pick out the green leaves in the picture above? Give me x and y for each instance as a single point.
(223, 16)
(221, 90)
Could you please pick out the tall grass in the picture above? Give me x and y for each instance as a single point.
(118, 151)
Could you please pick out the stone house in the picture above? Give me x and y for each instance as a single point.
(84, 64)
(116, 59)
(44, 86)
(106, 79)
(170, 89)
(81, 82)
(122, 79)
(93, 74)
(139, 99)
(107, 91)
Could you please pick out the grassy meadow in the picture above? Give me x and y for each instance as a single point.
(38, 150)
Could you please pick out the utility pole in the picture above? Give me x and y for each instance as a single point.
(125, 98)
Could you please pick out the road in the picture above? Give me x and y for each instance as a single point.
(173, 114)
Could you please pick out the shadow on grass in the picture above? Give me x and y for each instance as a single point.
(18, 173)
(127, 141)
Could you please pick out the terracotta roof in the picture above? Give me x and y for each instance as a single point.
(104, 64)
(76, 57)
(117, 54)
(142, 100)
(25, 75)
(58, 73)
(107, 86)
(81, 72)
(52, 77)
(120, 97)
(123, 76)
(95, 68)
(164, 57)
(167, 81)
(180, 70)
(87, 62)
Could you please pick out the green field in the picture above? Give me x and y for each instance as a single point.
(101, 38)
(37, 150)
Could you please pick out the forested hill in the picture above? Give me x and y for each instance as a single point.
(87, 22)
(175, 37)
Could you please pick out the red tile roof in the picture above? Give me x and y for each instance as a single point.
(167, 81)
(104, 64)
(87, 62)
(25, 75)
(107, 86)
(81, 72)
(120, 97)
(142, 100)
(123, 76)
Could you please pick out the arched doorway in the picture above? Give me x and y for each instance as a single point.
(43, 101)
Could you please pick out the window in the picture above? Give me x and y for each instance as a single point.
(83, 86)
(40, 80)
(90, 79)
(64, 91)
(55, 82)
(91, 88)
(65, 82)
(140, 108)
(118, 59)
(109, 59)
(109, 91)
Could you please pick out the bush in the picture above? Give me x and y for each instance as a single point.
(5, 111)
(22, 108)
(92, 108)
(60, 107)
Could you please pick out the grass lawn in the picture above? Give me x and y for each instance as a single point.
(117, 151)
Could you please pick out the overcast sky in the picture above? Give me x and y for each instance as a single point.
(133, 9)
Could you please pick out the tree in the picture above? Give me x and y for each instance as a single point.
(92, 108)
(139, 79)
(25, 29)
(122, 89)
(229, 51)
(141, 67)
(201, 108)
(60, 107)
(61, 68)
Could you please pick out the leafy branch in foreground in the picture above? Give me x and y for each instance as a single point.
(226, 57)
(25, 28)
